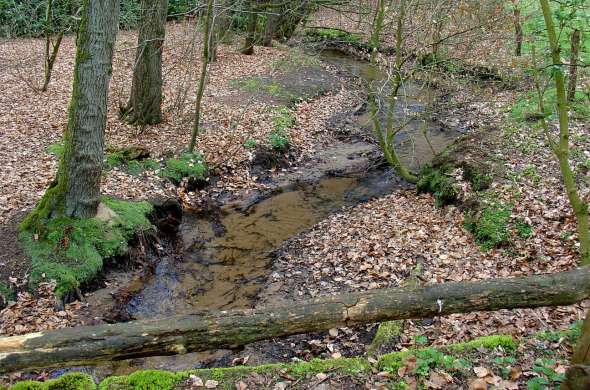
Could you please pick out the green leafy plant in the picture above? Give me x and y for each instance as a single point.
(279, 140)
(491, 229)
(250, 144)
(187, 165)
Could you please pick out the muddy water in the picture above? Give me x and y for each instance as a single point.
(226, 259)
(412, 142)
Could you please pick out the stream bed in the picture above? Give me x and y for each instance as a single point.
(225, 258)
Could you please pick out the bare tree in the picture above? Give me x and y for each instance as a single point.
(202, 80)
(51, 46)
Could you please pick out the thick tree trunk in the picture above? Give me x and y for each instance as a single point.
(272, 19)
(145, 102)
(248, 47)
(290, 17)
(76, 190)
(573, 80)
(229, 329)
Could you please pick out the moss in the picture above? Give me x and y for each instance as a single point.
(187, 165)
(73, 381)
(489, 342)
(438, 182)
(227, 377)
(476, 177)
(332, 34)
(258, 84)
(6, 294)
(387, 335)
(71, 250)
(56, 149)
(433, 357)
(491, 227)
(144, 380)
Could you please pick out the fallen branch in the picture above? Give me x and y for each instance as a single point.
(229, 329)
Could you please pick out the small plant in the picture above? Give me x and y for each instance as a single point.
(250, 144)
(548, 377)
(523, 229)
(187, 165)
(279, 140)
(491, 229)
(532, 173)
(439, 183)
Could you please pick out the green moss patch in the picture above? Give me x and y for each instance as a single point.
(491, 225)
(187, 165)
(6, 294)
(332, 34)
(440, 183)
(74, 381)
(71, 250)
(498, 353)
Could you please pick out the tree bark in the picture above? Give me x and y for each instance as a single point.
(203, 78)
(578, 375)
(219, 25)
(518, 34)
(145, 102)
(76, 190)
(229, 329)
(51, 48)
(248, 48)
(573, 80)
(272, 19)
(562, 150)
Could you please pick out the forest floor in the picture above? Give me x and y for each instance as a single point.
(391, 241)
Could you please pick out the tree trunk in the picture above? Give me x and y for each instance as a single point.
(230, 329)
(248, 47)
(386, 134)
(578, 375)
(76, 190)
(51, 48)
(518, 34)
(272, 18)
(290, 18)
(573, 80)
(145, 102)
(561, 150)
(203, 79)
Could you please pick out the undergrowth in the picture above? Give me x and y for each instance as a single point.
(498, 353)
(187, 165)
(71, 250)
(332, 34)
(440, 183)
(491, 226)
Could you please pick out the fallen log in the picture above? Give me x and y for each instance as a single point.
(229, 329)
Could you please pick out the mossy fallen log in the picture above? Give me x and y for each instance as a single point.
(229, 329)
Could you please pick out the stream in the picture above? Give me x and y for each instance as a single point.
(225, 259)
